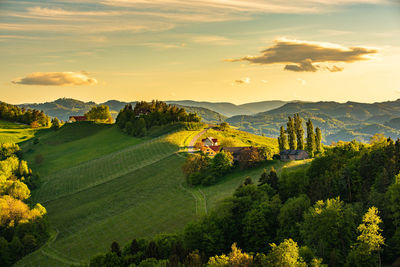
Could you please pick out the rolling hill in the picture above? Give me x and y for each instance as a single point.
(99, 185)
(229, 109)
(15, 132)
(338, 121)
(64, 107)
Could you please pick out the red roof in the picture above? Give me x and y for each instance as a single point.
(214, 140)
(78, 118)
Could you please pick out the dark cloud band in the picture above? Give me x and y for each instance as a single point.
(302, 55)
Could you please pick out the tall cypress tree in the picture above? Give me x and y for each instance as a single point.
(282, 140)
(310, 138)
(291, 133)
(298, 125)
(318, 140)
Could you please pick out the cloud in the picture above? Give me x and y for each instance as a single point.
(242, 81)
(302, 81)
(56, 78)
(164, 45)
(257, 6)
(212, 39)
(302, 56)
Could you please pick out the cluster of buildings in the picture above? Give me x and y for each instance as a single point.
(210, 147)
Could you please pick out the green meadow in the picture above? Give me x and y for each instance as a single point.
(15, 133)
(100, 185)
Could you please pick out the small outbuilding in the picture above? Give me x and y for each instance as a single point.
(77, 118)
(293, 154)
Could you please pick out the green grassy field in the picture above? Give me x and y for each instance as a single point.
(73, 144)
(116, 188)
(15, 133)
(232, 137)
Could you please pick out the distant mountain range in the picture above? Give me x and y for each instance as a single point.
(211, 112)
(338, 121)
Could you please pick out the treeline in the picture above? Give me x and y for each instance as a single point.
(23, 226)
(199, 169)
(145, 115)
(293, 136)
(342, 210)
(33, 117)
(100, 113)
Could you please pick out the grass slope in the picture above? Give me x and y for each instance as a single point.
(73, 144)
(137, 191)
(232, 137)
(11, 132)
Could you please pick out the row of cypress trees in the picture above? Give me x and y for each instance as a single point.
(293, 136)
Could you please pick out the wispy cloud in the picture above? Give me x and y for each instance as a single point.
(242, 81)
(302, 81)
(259, 6)
(164, 45)
(56, 79)
(212, 39)
(302, 56)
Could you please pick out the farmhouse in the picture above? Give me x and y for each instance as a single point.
(210, 150)
(293, 154)
(77, 118)
(210, 141)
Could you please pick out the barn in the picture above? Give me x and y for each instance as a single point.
(77, 118)
(293, 154)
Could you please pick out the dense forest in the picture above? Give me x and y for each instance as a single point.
(138, 120)
(23, 225)
(341, 210)
(33, 117)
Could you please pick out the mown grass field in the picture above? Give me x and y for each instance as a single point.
(15, 133)
(232, 137)
(125, 188)
(73, 144)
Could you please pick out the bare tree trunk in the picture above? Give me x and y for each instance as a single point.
(379, 256)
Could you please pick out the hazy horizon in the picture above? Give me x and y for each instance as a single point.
(197, 100)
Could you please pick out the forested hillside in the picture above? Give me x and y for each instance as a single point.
(64, 107)
(338, 121)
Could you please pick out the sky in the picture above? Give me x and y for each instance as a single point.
(235, 51)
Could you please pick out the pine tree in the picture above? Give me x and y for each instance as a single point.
(264, 178)
(310, 138)
(115, 248)
(291, 133)
(318, 141)
(134, 247)
(282, 140)
(298, 125)
(273, 178)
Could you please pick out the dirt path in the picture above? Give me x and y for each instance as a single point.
(192, 142)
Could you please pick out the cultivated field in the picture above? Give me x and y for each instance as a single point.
(125, 188)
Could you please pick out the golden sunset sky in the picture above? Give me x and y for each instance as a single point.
(213, 50)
